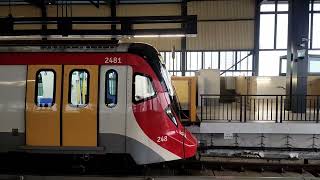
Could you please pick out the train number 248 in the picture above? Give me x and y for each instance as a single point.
(162, 139)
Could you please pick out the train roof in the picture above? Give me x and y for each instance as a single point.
(146, 51)
(108, 46)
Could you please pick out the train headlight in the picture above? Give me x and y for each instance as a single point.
(171, 115)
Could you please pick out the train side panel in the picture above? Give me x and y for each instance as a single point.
(12, 106)
(113, 107)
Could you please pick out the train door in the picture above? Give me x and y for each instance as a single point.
(43, 105)
(113, 107)
(79, 114)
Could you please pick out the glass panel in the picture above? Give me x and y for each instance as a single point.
(283, 66)
(169, 61)
(227, 59)
(283, 6)
(79, 88)
(172, 65)
(199, 61)
(194, 60)
(112, 88)
(267, 7)
(162, 54)
(178, 73)
(230, 61)
(314, 52)
(229, 74)
(316, 31)
(282, 31)
(314, 67)
(45, 88)
(244, 64)
(269, 62)
(178, 61)
(267, 23)
(188, 61)
(143, 88)
(211, 60)
(309, 43)
(190, 73)
(250, 62)
(316, 6)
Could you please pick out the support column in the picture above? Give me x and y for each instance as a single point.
(255, 64)
(297, 55)
(184, 12)
(113, 8)
(44, 14)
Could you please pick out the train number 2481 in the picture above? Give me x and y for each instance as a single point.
(115, 60)
(162, 139)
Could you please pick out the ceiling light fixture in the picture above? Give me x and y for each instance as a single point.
(158, 36)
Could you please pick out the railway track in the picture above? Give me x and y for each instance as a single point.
(124, 167)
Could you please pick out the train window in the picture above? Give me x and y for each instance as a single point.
(111, 88)
(45, 87)
(79, 88)
(143, 88)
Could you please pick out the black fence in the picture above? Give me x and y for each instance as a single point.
(244, 108)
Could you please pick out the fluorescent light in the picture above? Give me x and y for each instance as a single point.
(173, 35)
(91, 36)
(146, 36)
(158, 36)
(19, 37)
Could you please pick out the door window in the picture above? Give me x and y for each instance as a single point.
(111, 96)
(79, 88)
(45, 87)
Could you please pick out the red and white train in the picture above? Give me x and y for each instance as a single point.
(114, 100)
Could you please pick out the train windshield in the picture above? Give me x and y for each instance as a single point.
(167, 80)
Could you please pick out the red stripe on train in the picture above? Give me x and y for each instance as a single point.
(72, 58)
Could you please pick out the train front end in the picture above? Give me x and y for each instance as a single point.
(189, 141)
(159, 116)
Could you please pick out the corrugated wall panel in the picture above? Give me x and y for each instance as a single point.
(223, 36)
(162, 44)
(81, 10)
(212, 35)
(222, 9)
(20, 11)
(149, 10)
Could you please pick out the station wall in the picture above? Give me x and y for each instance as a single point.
(222, 25)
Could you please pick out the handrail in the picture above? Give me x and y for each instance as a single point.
(248, 108)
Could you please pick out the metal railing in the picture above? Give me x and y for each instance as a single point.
(244, 108)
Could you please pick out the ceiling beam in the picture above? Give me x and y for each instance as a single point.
(37, 3)
(64, 24)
